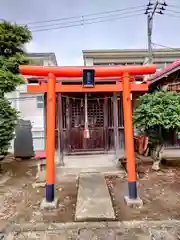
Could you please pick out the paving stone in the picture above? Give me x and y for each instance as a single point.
(94, 201)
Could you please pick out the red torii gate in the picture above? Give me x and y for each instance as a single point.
(51, 87)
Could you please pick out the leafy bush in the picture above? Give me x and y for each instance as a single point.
(159, 109)
(12, 40)
(8, 117)
(157, 115)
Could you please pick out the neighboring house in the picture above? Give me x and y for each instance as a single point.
(161, 57)
(31, 106)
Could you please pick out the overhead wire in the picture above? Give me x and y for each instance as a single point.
(83, 20)
(172, 11)
(82, 23)
(164, 46)
(86, 19)
(172, 15)
(84, 16)
(169, 9)
(172, 4)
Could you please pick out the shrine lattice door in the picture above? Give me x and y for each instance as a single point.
(75, 118)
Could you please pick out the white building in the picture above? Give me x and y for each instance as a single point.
(161, 57)
(31, 106)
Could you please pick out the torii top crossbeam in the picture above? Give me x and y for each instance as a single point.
(73, 72)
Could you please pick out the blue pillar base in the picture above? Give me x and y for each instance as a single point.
(132, 189)
(49, 192)
(133, 200)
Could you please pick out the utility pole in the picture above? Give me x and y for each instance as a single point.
(151, 10)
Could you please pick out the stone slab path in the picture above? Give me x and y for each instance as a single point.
(93, 201)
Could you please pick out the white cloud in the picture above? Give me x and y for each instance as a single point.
(32, 47)
(70, 61)
(63, 58)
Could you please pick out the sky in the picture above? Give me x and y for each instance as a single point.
(68, 43)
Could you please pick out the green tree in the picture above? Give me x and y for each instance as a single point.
(12, 40)
(158, 116)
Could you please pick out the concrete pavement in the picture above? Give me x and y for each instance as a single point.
(75, 165)
(93, 201)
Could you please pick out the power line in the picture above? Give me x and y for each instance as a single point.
(173, 6)
(86, 23)
(83, 20)
(169, 10)
(172, 15)
(86, 15)
(167, 47)
(173, 2)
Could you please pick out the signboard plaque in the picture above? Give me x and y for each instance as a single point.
(88, 77)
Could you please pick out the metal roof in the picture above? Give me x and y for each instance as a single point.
(143, 50)
(48, 54)
(169, 69)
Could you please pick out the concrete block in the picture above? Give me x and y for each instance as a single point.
(133, 202)
(49, 205)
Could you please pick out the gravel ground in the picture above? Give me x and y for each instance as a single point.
(159, 191)
(19, 203)
(141, 230)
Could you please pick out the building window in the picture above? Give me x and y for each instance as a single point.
(36, 62)
(40, 101)
(38, 134)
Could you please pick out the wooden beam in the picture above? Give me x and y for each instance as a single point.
(68, 122)
(45, 118)
(106, 123)
(79, 88)
(60, 128)
(115, 116)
